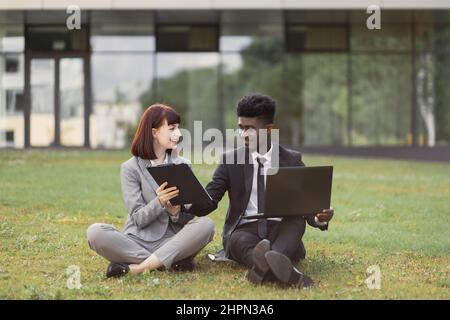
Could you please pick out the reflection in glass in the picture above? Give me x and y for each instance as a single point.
(71, 87)
(392, 37)
(317, 16)
(189, 82)
(235, 38)
(381, 99)
(311, 88)
(11, 38)
(313, 115)
(123, 43)
(56, 38)
(119, 37)
(12, 100)
(177, 38)
(258, 71)
(118, 30)
(42, 121)
(121, 84)
(433, 38)
(316, 38)
(433, 98)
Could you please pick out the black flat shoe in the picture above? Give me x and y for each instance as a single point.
(116, 270)
(282, 268)
(260, 267)
(187, 264)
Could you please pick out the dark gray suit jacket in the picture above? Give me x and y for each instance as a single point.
(237, 180)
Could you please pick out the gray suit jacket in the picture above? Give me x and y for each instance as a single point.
(147, 219)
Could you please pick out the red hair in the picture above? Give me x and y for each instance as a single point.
(152, 118)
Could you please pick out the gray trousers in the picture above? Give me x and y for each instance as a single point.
(115, 246)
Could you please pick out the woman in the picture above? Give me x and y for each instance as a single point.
(156, 234)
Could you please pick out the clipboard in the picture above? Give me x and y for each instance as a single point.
(181, 176)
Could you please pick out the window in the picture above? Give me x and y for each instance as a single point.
(394, 35)
(10, 137)
(433, 98)
(432, 30)
(15, 100)
(256, 71)
(7, 138)
(316, 38)
(117, 96)
(12, 64)
(189, 83)
(381, 99)
(12, 100)
(314, 116)
(177, 38)
(240, 30)
(56, 38)
(125, 31)
(11, 38)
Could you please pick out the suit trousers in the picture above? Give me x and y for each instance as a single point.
(284, 236)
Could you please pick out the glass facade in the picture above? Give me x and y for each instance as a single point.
(336, 82)
(12, 73)
(432, 63)
(316, 110)
(189, 83)
(122, 71)
(71, 101)
(251, 48)
(42, 124)
(118, 82)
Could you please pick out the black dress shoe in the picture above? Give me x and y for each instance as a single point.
(260, 267)
(187, 264)
(282, 268)
(116, 269)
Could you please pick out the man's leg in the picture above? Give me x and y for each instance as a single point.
(113, 245)
(242, 242)
(285, 242)
(286, 236)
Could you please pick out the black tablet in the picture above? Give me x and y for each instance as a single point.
(181, 176)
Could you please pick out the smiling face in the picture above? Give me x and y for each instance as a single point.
(167, 135)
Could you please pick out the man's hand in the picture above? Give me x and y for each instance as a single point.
(326, 215)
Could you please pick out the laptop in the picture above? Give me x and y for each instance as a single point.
(297, 191)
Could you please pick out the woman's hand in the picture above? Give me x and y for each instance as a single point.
(172, 210)
(164, 195)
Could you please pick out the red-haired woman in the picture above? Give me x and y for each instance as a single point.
(156, 233)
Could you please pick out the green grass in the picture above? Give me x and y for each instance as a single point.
(394, 214)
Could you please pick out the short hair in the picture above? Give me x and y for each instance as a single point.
(153, 117)
(257, 105)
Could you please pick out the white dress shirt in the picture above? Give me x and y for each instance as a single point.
(252, 206)
(154, 164)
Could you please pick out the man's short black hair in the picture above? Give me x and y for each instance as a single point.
(257, 105)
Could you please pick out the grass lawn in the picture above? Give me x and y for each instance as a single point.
(393, 214)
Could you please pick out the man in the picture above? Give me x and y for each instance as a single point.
(266, 246)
